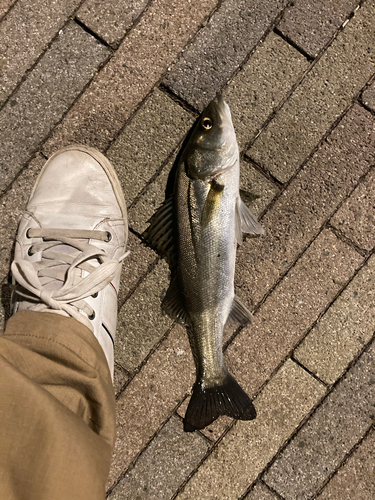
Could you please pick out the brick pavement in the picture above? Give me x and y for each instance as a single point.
(129, 78)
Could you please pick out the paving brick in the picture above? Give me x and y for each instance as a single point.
(145, 143)
(150, 397)
(150, 201)
(260, 492)
(311, 24)
(334, 429)
(220, 47)
(25, 33)
(141, 322)
(356, 218)
(247, 448)
(45, 95)
(135, 266)
(12, 206)
(318, 101)
(119, 379)
(5, 5)
(290, 310)
(261, 84)
(355, 480)
(312, 197)
(343, 330)
(110, 19)
(254, 182)
(137, 65)
(166, 463)
(368, 96)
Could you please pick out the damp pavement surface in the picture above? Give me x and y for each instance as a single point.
(130, 78)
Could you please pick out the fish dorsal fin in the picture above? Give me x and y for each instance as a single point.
(159, 235)
(248, 221)
(239, 314)
(173, 304)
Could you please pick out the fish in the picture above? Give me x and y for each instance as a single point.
(197, 230)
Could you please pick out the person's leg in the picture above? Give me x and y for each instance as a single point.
(57, 422)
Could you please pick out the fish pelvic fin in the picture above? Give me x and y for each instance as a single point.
(208, 403)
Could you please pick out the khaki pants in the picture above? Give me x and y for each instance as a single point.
(57, 416)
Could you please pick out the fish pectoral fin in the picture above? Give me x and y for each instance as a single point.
(212, 203)
(208, 403)
(159, 235)
(239, 314)
(173, 304)
(248, 197)
(248, 222)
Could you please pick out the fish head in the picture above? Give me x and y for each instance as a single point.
(212, 148)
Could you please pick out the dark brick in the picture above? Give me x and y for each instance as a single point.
(312, 23)
(311, 198)
(24, 34)
(45, 95)
(338, 76)
(220, 47)
(368, 97)
(334, 429)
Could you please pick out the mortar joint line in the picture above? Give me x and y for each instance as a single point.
(288, 40)
(311, 373)
(92, 33)
(11, 7)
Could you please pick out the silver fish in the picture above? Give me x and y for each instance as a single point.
(197, 230)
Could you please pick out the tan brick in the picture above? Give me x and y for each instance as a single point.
(343, 330)
(354, 480)
(140, 61)
(309, 201)
(356, 218)
(24, 34)
(141, 322)
(169, 459)
(247, 448)
(318, 101)
(5, 5)
(261, 84)
(112, 18)
(260, 492)
(290, 310)
(150, 397)
(119, 379)
(146, 142)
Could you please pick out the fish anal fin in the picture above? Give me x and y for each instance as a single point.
(159, 235)
(239, 314)
(173, 304)
(208, 403)
(248, 221)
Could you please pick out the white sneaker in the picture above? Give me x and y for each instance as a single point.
(71, 242)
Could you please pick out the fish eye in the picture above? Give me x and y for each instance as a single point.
(206, 123)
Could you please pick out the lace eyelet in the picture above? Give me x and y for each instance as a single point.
(27, 233)
(92, 316)
(29, 252)
(109, 236)
(95, 295)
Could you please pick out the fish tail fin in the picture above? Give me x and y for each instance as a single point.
(207, 404)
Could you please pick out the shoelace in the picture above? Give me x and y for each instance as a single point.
(32, 277)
